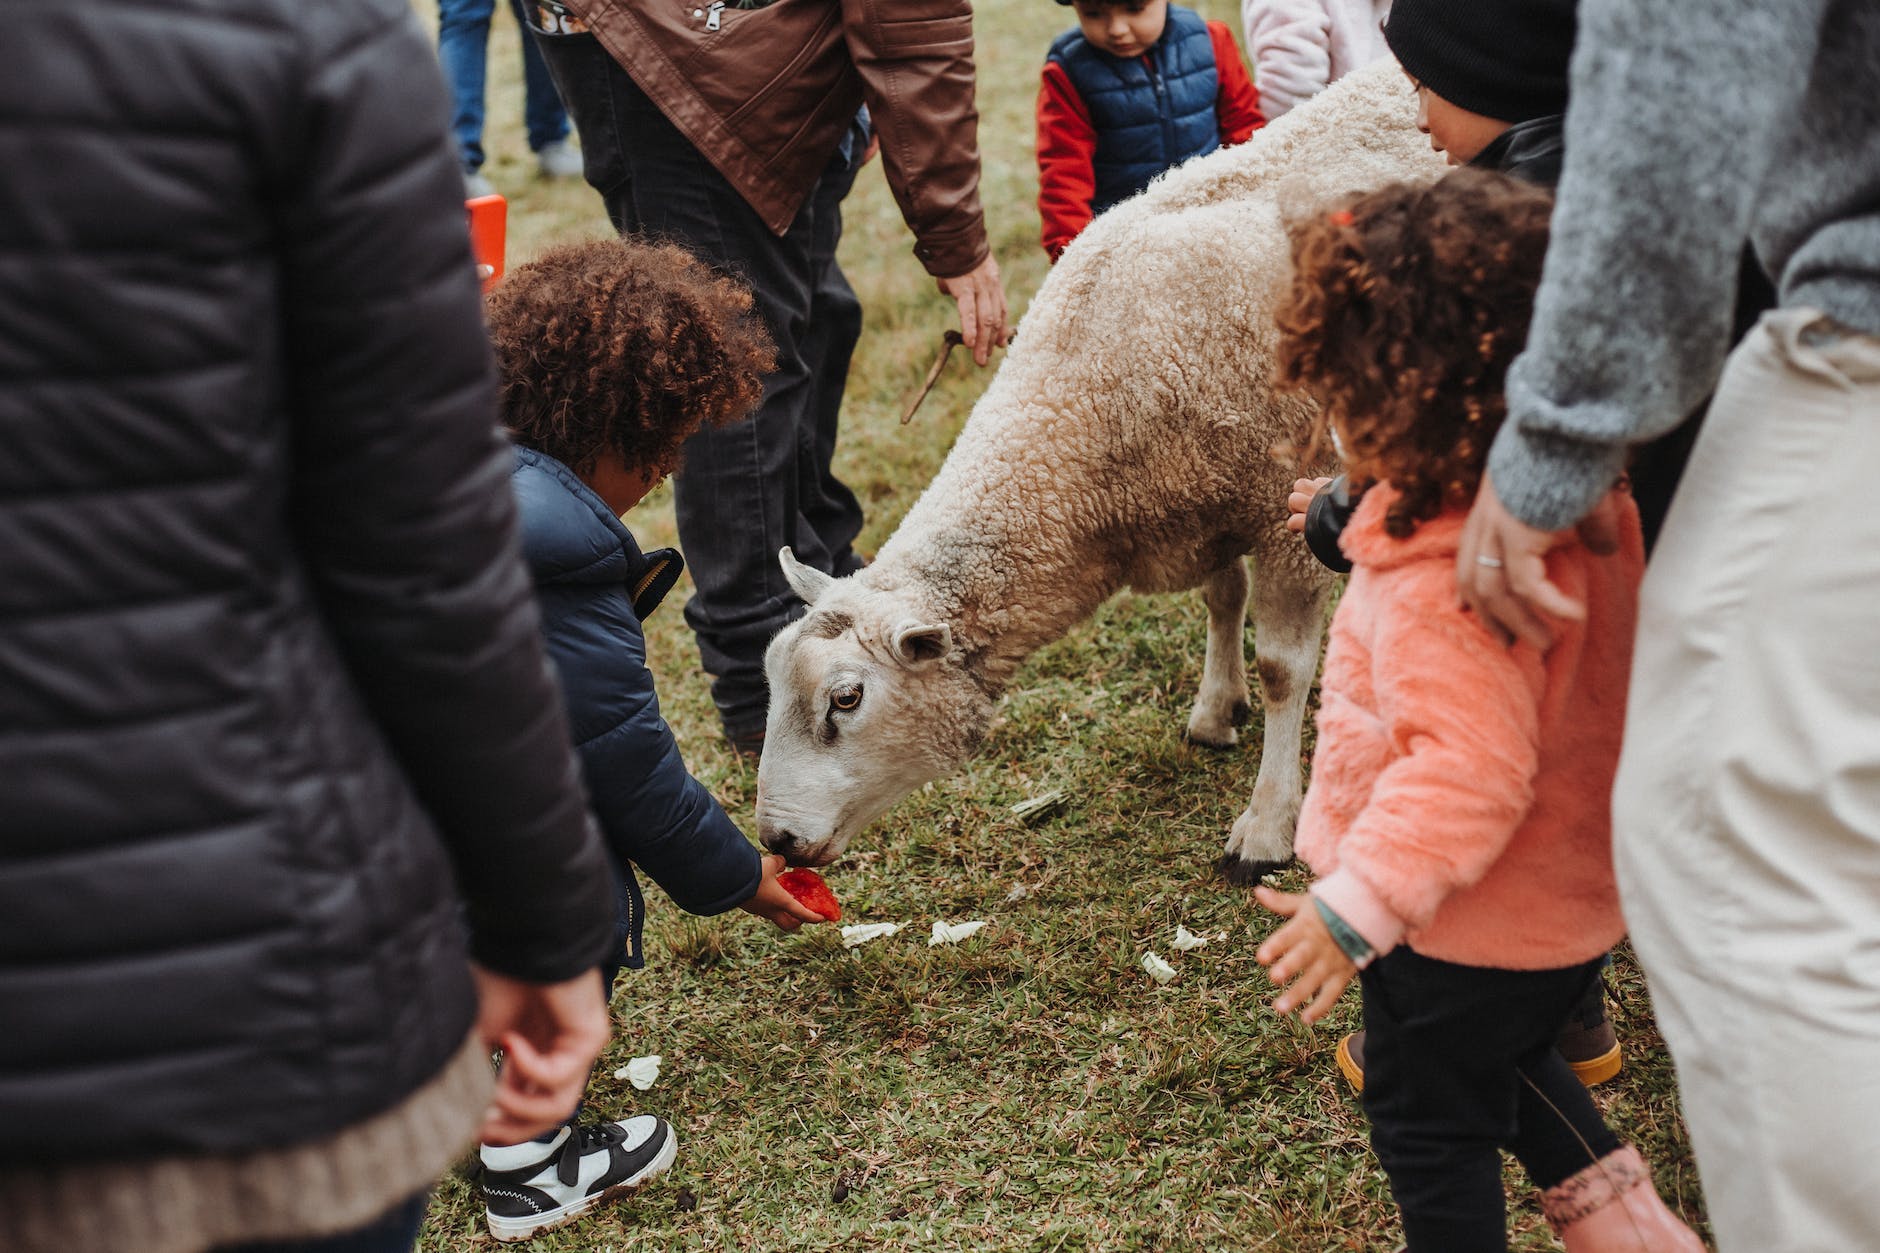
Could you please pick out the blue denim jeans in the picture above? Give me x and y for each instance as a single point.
(393, 1232)
(747, 489)
(463, 35)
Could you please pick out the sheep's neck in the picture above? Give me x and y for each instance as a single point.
(1002, 608)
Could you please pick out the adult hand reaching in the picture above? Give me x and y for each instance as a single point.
(981, 297)
(550, 1034)
(1501, 567)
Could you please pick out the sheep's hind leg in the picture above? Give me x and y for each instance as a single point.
(1288, 622)
(1223, 702)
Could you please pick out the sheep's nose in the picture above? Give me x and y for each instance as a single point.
(779, 841)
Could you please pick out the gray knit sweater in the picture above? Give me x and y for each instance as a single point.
(1694, 124)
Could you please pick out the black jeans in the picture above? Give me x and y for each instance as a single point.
(1459, 1063)
(748, 489)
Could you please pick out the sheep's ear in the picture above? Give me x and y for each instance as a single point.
(922, 643)
(806, 581)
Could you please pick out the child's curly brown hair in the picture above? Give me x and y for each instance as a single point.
(1406, 308)
(623, 345)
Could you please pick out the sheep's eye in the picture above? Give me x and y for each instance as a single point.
(845, 698)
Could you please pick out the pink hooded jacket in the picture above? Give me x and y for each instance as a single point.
(1461, 790)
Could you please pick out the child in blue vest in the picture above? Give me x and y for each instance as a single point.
(1139, 87)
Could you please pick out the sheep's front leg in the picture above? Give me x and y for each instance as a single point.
(1288, 622)
(1223, 703)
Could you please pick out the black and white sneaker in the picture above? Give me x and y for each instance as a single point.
(529, 1188)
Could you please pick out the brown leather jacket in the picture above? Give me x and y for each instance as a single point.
(766, 94)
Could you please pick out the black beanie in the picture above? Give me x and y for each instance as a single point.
(1505, 59)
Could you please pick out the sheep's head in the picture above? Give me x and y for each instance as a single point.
(869, 699)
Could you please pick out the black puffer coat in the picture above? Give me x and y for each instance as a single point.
(270, 673)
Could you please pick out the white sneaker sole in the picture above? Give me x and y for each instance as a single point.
(510, 1230)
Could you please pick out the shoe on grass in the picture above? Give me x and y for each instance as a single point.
(1587, 1042)
(559, 159)
(1350, 1059)
(530, 1188)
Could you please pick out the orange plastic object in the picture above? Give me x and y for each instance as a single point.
(489, 226)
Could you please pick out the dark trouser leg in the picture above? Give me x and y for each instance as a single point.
(583, 75)
(835, 324)
(1560, 1130)
(1446, 1047)
(741, 489)
(542, 113)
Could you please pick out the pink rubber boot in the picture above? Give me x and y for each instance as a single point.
(1611, 1207)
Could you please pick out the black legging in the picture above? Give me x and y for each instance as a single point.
(1459, 1063)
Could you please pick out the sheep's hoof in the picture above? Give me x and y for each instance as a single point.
(1241, 713)
(1209, 739)
(1238, 870)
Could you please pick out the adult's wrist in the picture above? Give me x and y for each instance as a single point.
(955, 254)
(1548, 481)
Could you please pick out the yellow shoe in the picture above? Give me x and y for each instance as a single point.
(1350, 1058)
(1588, 1041)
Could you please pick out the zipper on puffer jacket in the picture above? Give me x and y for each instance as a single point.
(1162, 106)
(646, 580)
(636, 908)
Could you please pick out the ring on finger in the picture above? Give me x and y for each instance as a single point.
(1483, 559)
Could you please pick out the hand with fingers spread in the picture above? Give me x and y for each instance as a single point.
(1304, 954)
(773, 901)
(550, 1034)
(981, 297)
(1501, 567)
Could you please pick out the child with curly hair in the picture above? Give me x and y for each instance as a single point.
(1459, 813)
(611, 354)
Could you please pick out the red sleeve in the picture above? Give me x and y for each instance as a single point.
(1238, 105)
(1067, 150)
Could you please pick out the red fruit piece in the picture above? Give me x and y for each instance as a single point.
(811, 892)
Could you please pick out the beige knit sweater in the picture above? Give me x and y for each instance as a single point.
(188, 1204)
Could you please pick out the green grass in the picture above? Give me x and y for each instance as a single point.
(1029, 1089)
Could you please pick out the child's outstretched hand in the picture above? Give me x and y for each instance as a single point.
(1300, 499)
(1304, 954)
(773, 901)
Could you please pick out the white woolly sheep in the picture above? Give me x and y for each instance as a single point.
(1127, 440)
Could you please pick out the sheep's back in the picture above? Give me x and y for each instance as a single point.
(1136, 404)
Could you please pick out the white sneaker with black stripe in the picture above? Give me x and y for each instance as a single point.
(529, 1188)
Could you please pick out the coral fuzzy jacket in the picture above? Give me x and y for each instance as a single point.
(1461, 790)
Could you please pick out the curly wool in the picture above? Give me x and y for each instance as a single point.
(624, 346)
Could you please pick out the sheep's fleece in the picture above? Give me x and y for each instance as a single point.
(1127, 441)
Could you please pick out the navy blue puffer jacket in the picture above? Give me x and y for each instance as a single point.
(1151, 112)
(594, 586)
